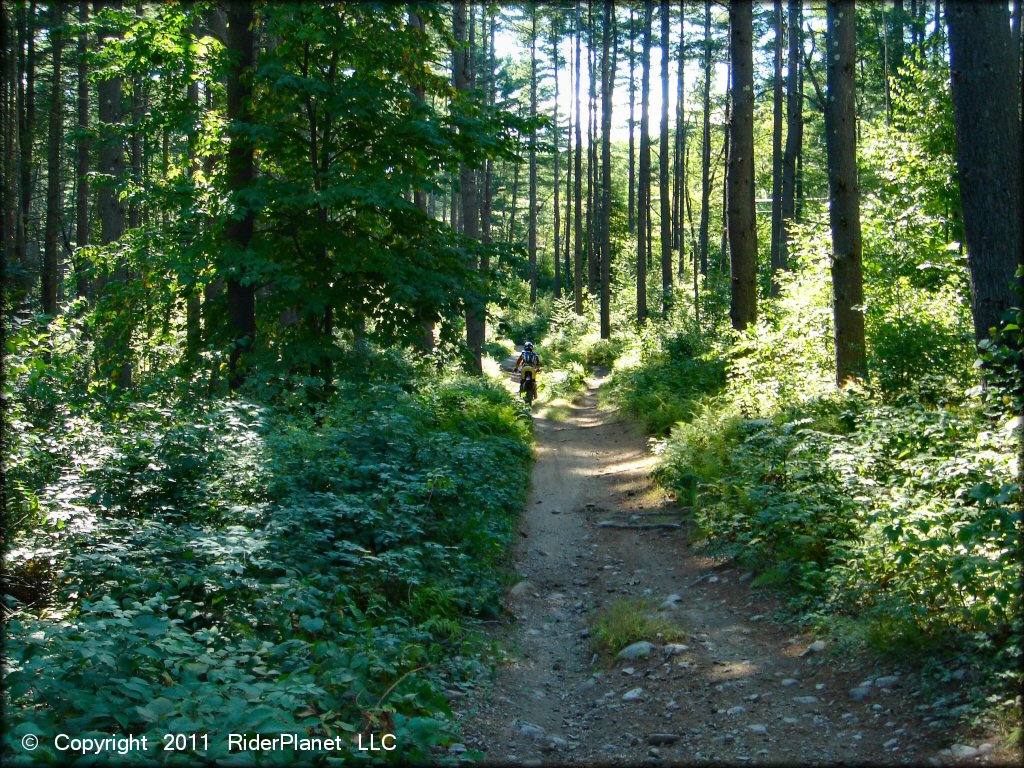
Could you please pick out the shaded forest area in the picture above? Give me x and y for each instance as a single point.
(261, 262)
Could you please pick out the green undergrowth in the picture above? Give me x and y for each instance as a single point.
(888, 514)
(666, 378)
(629, 621)
(228, 566)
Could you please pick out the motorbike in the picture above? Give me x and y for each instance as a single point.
(528, 383)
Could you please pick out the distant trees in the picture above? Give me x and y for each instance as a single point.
(273, 196)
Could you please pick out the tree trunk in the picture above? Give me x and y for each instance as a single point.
(742, 221)
(988, 146)
(794, 132)
(606, 173)
(844, 193)
(632, 121)
(26, 139)
(798, 210)
(556, 152)
(193, 301)
(578, 266)
(82, 158)
(134, 214)
(115, 363)
(723, 257)
(897, 19)
(425, 342)
(470, 217)
(8, 131)
(488, 204)
(645, 170)
(532, 235)
(1018, 52)
(241, 173)
(53, 168)
(593, 209)
(678, 196)
(515, 203)
(568, 192)
(776, 242)
(663, 164)
(705, 153)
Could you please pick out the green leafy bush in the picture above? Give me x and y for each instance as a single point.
(262, 568)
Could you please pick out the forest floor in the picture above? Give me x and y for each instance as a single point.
(734, 686)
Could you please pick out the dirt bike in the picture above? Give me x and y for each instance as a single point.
(528, 383)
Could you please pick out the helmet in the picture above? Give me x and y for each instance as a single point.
(528, 345)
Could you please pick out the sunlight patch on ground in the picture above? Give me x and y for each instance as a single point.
(733, 670)
(557, 410)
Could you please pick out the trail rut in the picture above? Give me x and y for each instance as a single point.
(743, 687)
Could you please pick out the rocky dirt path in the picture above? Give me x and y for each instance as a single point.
(737, 687)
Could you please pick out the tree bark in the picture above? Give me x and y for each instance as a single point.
(897, 19)
(26, 138)
(555, 149)
(115, 363)
(844, 193)
(486, 209)
(663, 166)
(742, 219)
(515, 203)
(723, 254)
(794, 132)
(470, 217)
(8, 131)
(593, 208)
(568, 191)
(705, 153)
(632, 121)
(606, 173)
(193, 300)
(53, 166)
(532, 233)
(644, 183)
(679, 175)
(134, 214)
(776, 242)
(82, 157)
(241, 173)
(578, 266)
(988, 150)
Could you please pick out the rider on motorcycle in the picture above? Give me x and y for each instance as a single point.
(527, 358)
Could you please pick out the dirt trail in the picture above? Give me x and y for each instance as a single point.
(741, 687)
